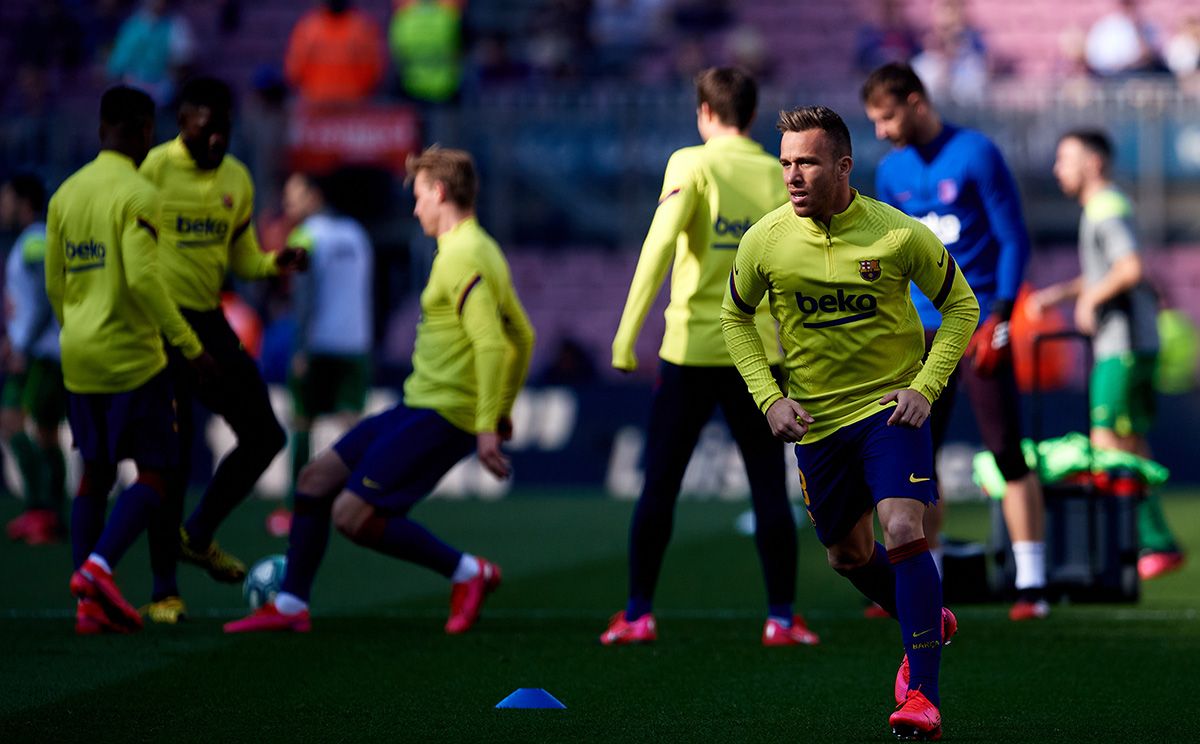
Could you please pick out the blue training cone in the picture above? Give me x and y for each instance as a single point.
(530, 697)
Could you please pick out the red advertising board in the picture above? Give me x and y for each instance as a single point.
(323, 138)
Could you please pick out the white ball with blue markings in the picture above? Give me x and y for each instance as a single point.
(263, 580)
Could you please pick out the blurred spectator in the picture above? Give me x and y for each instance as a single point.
(747, 48)
(1183, 50)
(1122, 42)
(426, 42)
(49, 38)
(889, 39)
(153, 50)
(623, 31)
(335, 54)
(558, 47)
(953, 65)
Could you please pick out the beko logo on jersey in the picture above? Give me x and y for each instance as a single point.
(201, 226)
(85, 255)
(735, 228)
(862, 306)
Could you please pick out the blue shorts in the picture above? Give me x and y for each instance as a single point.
(398, 456)
(138, 425)
(844, 475)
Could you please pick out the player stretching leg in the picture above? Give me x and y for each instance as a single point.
(956, 182)
(837, 266)
(103, 283)
(711, 194)
(472, 353)
(208, 229)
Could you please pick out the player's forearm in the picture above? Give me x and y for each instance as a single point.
(516, 361)
(1122, 277)
(960, 317)
(146, 286)
(750, 357)
(1010, 270)
(247, 259)
(648, 278)
(489, 373)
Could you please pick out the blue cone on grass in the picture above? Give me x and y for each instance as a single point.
(530, 697)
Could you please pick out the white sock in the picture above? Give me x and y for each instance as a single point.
(1031, 564)
(99, 561)
(289, 604)
(936, 554)
(468, 568)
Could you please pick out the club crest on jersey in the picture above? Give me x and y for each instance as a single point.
(868, 269)
(227, 200)
(947, 191)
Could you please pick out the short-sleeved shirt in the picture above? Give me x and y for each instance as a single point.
(333, 299)
(32, 329)
(1127, 323)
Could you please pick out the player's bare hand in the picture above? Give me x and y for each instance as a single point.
(504, 427)
(788, 419)
(487, 447)
(291, 259)
(206, 368)
(912, 408)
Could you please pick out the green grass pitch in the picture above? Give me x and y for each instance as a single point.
(378, 667)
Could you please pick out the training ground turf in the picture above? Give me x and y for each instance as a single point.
(378, 667)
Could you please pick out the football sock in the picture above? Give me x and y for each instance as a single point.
(163, 539)
(781, 614)
(131, 515)
(301, 452)
(289, 604)
(876, 580)
(232, 481)
(87, 512)
(99, 561)
(1030, 558)
(306, 545)
(30, 465)
(402, 538)
(936, 554)
(1153, 533)
(468, 568)
(636, 607)
(919, 609)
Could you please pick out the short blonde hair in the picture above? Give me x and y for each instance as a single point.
(455, 169)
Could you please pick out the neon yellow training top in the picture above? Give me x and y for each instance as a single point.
(207, 225)
(103, 282)
(474, 340)
(847, 322)
(712, 194)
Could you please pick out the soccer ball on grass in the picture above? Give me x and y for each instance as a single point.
(263, 580)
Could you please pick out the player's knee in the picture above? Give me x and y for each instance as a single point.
(315, 480)
(903, 527)
(1012, 464)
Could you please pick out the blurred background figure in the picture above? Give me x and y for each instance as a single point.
(888, 37)
(1122, 42)
(954, 65)
(1183, 52)
(425, 39)
(331, 363)
(154, 50)
(335, 54)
